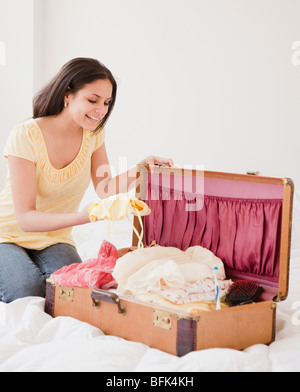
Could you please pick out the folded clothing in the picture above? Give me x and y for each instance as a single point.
(191, 308)
(179, 276)
(93, 273)
(200, 290)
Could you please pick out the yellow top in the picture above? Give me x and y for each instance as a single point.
(59, 191)
(117, 207)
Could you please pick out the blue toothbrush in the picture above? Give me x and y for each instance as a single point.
(218, 303)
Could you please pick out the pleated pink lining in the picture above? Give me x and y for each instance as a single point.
(244, 232)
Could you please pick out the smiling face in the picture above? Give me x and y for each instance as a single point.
(90, 104)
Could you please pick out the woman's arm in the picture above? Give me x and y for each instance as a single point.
(24, 191)
(105, 185)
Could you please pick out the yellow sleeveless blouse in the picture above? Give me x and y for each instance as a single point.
(59, 191)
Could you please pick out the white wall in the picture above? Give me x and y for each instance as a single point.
(205, 82)
(16, 77)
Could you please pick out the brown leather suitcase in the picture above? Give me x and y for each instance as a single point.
(244, 219)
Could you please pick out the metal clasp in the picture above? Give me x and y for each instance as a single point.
(253, 173)
(66, 294)
(162, 319)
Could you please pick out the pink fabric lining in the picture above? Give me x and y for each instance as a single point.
(191, 185)
(243, 231)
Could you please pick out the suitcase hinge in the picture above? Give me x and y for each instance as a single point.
(273, 306)
(279, 297)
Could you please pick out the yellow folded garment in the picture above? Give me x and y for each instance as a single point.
(191, 308)
(118, 207)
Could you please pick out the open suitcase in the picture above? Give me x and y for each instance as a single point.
(245, 220)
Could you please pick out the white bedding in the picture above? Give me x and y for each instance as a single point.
(30, 340)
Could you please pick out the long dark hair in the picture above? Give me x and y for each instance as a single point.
(72, 77)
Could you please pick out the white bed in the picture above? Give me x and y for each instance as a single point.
(30, 340)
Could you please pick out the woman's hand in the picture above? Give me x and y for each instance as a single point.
(84, 215)
(154, 160)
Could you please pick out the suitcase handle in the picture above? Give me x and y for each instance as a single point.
(103, 295)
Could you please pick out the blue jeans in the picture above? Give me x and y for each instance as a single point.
(23, 272)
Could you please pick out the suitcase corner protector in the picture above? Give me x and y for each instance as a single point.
(50, 281)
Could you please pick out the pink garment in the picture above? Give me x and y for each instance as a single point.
(200, 290)
(94, 273)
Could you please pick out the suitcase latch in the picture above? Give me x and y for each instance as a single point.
(66, 294)
(162, 319)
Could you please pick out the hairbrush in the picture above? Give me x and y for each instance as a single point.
(243, 292)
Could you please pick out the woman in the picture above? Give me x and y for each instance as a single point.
(51, 160)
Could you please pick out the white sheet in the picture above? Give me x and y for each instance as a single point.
(30, 340)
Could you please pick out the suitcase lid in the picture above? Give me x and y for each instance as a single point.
(245, 220)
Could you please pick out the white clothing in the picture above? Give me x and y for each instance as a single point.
(151, 269)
